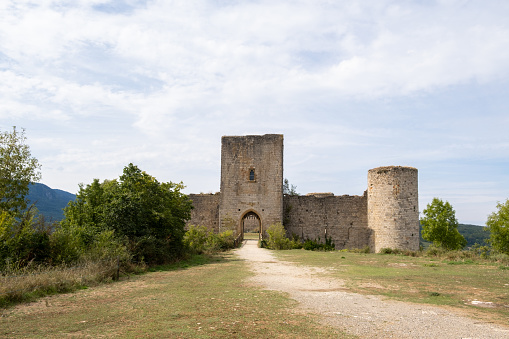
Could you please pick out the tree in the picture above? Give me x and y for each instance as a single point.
(440, 226)
(17, 170)
(289, 189)
(498, 225)
(150, 214)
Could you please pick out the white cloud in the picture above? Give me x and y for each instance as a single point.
(351, 84)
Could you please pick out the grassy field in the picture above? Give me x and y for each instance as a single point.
(201, 299)
(209, 298)
(480, 289)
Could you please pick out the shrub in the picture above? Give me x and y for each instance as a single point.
(262, 243)
(23, 241)
(365, 249)
(195, 238)
(410, 253)
(316, 245)
(480, 251)
(108, 245)
(502, 258)
(433, 251)
(220, 242)
(198, 240)
(277, 237)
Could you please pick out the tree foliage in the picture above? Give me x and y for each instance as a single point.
(498, 225)
(149, 214)
(17, 170)
(199, 239)
(289, 189)
(440, 226)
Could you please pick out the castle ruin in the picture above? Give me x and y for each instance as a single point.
(251, 198)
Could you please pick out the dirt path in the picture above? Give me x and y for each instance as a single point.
(365, 316)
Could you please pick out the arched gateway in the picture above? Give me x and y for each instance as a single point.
(251, 181)
(251, 198)
(251, 223)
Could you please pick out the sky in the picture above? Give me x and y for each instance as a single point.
(352, 85)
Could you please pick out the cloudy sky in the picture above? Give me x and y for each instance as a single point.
(352, 85)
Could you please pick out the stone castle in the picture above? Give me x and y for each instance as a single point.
(251, 199)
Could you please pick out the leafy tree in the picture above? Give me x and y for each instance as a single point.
(150, 214)
(23, 240)
(498, 225)
(289, 189)
(440, 226)
(17, 170)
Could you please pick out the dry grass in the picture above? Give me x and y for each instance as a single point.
(460, 283)
(30, 283)
(200, 301)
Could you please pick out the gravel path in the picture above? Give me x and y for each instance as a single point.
(365, 316)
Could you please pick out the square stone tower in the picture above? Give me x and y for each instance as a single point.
(251, 180)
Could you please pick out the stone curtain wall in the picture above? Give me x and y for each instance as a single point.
(393, 209)
(240, 155)
(205, 211)
(343, 218)
(387, 215)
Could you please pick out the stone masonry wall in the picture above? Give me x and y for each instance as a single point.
(393, 210)
(205, 211)
(386, 215)
(261, 194)
(343, 218)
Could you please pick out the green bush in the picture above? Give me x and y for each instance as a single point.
(153, 251)
(408, 253)
(310, 245)
(433, 251)
(502, 258)
(23, 242)
(386, 250)
(195, 239)
(278, 240)
(262, 243)
(69, 244)
(480, 251)
(365, 249)
(221, 242)
(317, 245)
(198, 240)
(108, 245)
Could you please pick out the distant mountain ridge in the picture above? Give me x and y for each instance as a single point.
(50, 202)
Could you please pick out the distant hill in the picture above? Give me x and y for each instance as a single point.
(50, 202)
(472, 233)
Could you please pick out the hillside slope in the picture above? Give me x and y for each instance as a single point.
(50, 202)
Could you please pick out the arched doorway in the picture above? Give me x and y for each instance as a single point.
(251, 226)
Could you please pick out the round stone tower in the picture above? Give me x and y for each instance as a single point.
(393, 210)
